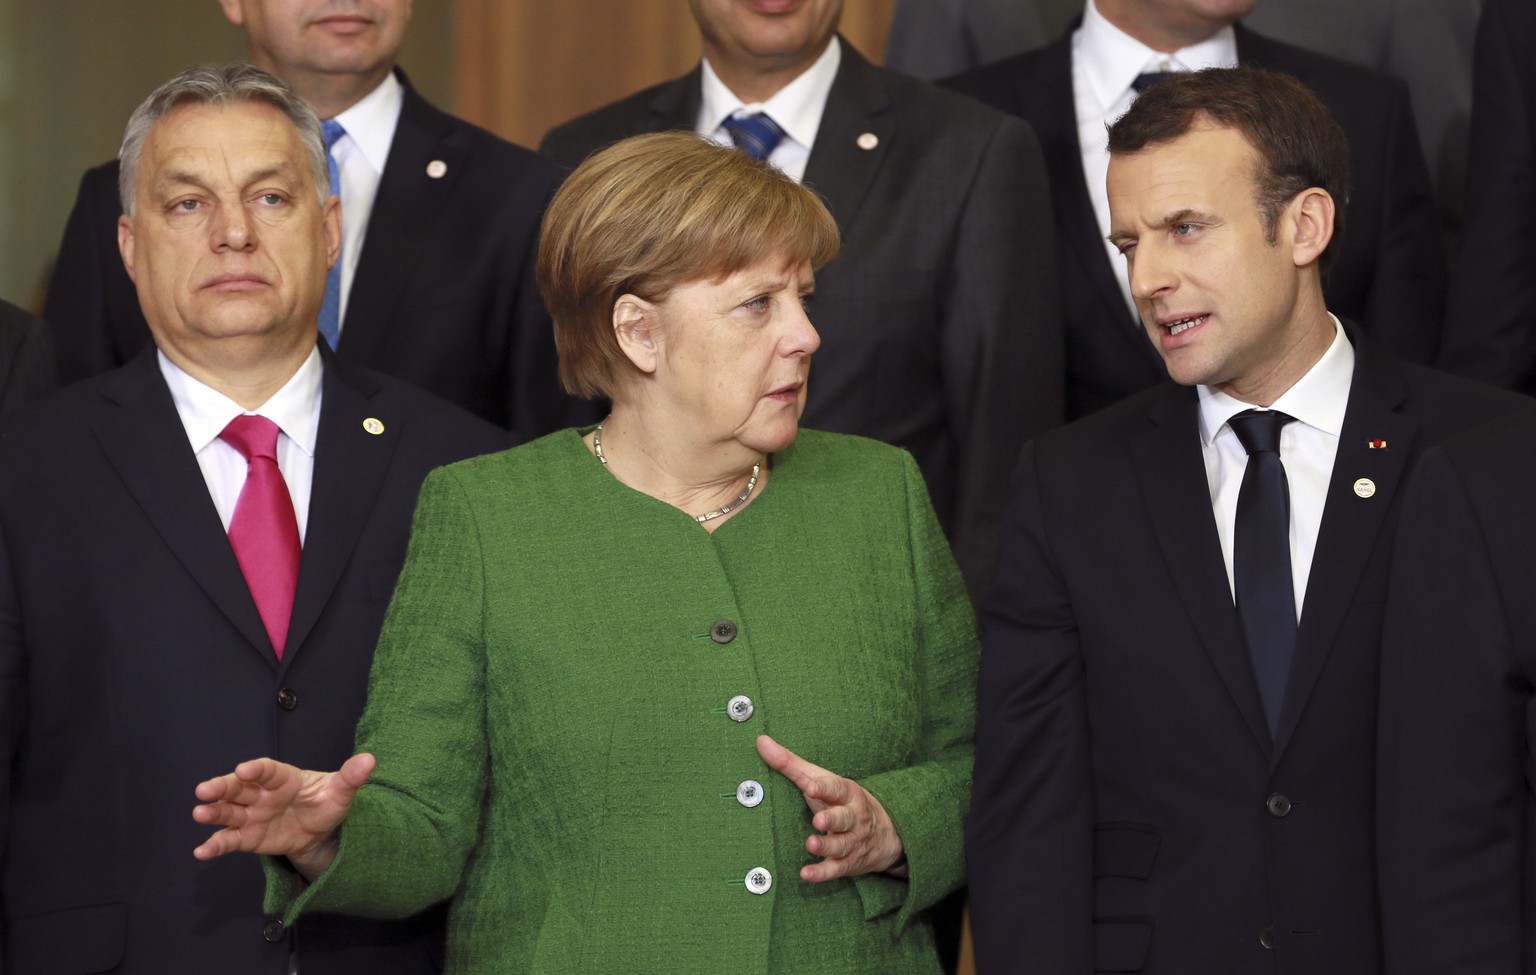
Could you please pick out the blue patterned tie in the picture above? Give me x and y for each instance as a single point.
(330, 307)
(756, 134)
(1261, 557)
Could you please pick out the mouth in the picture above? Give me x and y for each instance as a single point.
(1181, 325)
(344, 23)
(234, 283)
(787, 393)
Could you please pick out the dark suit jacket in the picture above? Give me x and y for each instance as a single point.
(1130, 812)
(938, 320)
(443, 297)
(26, 359)
(1457, 814)
(133, 664)
(1490, 329)
(1388, 271)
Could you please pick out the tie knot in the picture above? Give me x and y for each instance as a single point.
(757, 134)
(1259, 430)
(1147, 79)
(330, 131)
(253, 436)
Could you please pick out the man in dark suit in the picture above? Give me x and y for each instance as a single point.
(175, 595)
(1176, 715)
(435, 285)
(938, 320)
(1490, 327)
(1457, 813)
(26, 358)
(1389, 274)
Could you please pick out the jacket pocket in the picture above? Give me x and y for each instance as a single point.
(75, 941)
(1123, 857)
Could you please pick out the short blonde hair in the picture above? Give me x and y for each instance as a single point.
(653, 212)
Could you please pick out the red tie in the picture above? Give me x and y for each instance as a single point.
(263, 531)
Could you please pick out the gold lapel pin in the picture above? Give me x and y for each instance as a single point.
(1376, 444)
(1365, 487)
(373, 425)
(867, 141)
(437, 169)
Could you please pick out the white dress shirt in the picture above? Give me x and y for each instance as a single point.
(796, 108)
(360, 156)
(205, 412)
(1105, 60)
(1307, 449)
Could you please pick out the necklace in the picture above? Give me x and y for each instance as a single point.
(720, 512)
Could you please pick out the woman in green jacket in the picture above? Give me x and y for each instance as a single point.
(685, 692)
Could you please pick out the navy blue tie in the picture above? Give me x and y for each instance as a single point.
(756, 134)
(330, 307)
(1147, 79)
(1261, 557)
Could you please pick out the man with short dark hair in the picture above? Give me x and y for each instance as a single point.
(939, 318)
(196, 551)
(440, 225)
(1391, 268)
(1176, 716)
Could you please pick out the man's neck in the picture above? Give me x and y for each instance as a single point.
(755, 81)
(1164, 35)
(249, 373)
(330, 94)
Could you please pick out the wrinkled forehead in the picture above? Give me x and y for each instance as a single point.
(221, 144)
(1198, 170)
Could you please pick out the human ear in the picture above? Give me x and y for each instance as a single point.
(1309, 225)
(633, 326)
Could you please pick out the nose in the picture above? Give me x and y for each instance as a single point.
(1151, 274)
(801, 337)
(232, 228)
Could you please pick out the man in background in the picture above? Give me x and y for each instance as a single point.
(26, 358)
(440, 228)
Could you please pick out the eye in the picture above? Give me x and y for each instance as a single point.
(270, 199)
(760, 303)
(185, 206)
(808, 299)
(1184, 229)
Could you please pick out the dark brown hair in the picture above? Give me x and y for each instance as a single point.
(651, 213)
(1299, 143)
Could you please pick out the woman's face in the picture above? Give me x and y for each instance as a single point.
(732, 356)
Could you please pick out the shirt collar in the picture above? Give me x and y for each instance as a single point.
(796, 108)
(205, 411)
(1318, 399)
(371, 122)
(1112, 58)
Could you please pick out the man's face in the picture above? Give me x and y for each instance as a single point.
(229, 242)
(356, 37)
(771, 33)
(1217, 298)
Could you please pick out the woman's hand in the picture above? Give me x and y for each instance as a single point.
(857, 835)
(279, 810)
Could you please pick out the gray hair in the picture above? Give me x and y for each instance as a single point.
(211, 84)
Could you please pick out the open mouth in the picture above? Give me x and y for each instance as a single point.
(1184, 324)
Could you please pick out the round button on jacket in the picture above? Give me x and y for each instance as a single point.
(273, 931)
(740, 708)
(287, 700)
(759, 880)
(724, 631)
(750, 793)
(1267, 937)
(1278, 805)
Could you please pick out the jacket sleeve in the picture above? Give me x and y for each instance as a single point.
(1002, 334)
(1454, 739)
(927, 799)
(409, 834)
(1029, 835)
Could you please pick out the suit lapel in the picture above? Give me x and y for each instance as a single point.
(674, 106)
(1351, 527)
(404, 215)
(145, 442)
(1171, 469)
(840, 169)
(350, 467)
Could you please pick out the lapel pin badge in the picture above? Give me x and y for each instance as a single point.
(373, 425)
(867, 141)
(437, 169)
(1365, 487)
(1376, 444)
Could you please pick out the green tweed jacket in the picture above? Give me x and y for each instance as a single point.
(558, 708)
